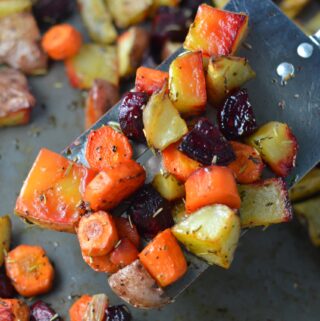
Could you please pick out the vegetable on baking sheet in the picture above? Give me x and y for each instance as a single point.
(8, 7)
(78, 308)
(96, 309)
(211, 233)
(7, 290)
(100, 263)
(179, 212)
(14, 310)
(124, 253)
(5, 237)
(126, 229)
(40, 310)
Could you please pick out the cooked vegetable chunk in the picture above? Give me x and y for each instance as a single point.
(77, 310)
(93, 62)
(7, 290)
(211, 233)
(216, 32)
(179, 212)
(5, 237)
(226, 74)
(118, 313)
(277, 146)
(264, 203)
(169, 3)
(187, 83)
(100, 263)
(132, 45)
(127, 230)
(40, 309)
(97, 19)
(124, 253)
(14, 310)
(211, 185)
(51, 195)
(96, 309)
(8, 7)
(162, 122)
(129, 12)
(29, 270)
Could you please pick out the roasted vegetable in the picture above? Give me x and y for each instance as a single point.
(126, 229)
(20, 49)
(51, 195)
(7, 290)
(167, 3)
(118, 313)
(264, 203)
(150, 80)
(162, 122)
(187, 83)
(226, 74)
(8, 7)
(308, 213)
(168, 186)
(179, 212)
(134, 285)
(307, 187)
(292, 7)
(211, 233)
(5, 237)
(96, 308)
(100, 263)
(132, 45)
(78, 308)
(124, 253)
(277, 146)
(236, 117)
(129, 12)
(93, 62)
(41, 311)
(216, 32)
(97, 19)
(220, 3)
(14, 310)
(205, 144)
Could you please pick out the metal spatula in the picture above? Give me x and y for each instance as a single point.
(272, 40)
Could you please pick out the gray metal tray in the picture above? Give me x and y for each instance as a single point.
(275, 273)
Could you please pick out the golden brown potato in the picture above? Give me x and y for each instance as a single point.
(220, 3)
(179, 212)
(5, 236)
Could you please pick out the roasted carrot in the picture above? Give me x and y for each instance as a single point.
(107, 147)
(62, 41)
(78, 308)
(13, 310)
(29, 270)
(211, 185)
(97, 234)
(164, 259)
(177, 163)
(113, 185)
(126, 229)
(100, 263)
(124, 253)
(248, 165)
(150, 80)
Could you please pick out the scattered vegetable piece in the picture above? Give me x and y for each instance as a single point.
(179, 212)
(29, 270)
(77, 310)
(126, 229)
(8, 7)
(41, 311)
(7, 290)
(96, 308)
(118, 313)
(5, 237)
(13, 310)
(100, 263)
(124, 253)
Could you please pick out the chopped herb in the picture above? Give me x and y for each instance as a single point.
(243, 168)
(67, 172)
(43, 198)
(269, 204)
(157, 212)
(117, 244)
(55, 317)
(130, 222)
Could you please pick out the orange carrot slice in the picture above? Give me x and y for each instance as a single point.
(78, 309)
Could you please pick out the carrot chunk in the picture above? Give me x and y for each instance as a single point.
(100, 263)
(62, 41)
(78, 308)
(113, 185)
(150, 80)
(97, 234)
(211, 185)
(29, 270)
(106, 147)
(164, 259)
(13, 310)
(126, 229)
(248, 165)
(177, 163)
(124, 253)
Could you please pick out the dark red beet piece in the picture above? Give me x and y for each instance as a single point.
(41, 311)
(130, 115)
(205, 144)
(6, 288)
(192, 5)
(150, 212)
(118, 313)
(236, 118)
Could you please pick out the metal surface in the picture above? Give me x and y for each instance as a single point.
(275, 273)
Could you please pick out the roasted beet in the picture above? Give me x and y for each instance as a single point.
(41, 311)
(191, 5)
(236, 118)
(130, 115)
(6, 289)
(205, 144)
(150, 212)
(118, 313)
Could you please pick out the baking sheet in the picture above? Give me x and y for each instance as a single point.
(275, 274)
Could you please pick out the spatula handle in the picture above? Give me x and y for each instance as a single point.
(316, 38)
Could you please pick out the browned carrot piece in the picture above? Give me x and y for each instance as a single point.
(164, 259)
(62, 41)
(13, 310)
(126, 229)
(113, 185)
(97, 234)
(124, 254)
(78, 309)
(100, 263)
(29, 270)
(107, 147)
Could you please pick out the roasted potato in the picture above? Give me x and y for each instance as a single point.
(5, 236)
(264, 203)
(220, 3)
(134, 285)
(168, 186)
(277, 146)
(308, 212)
(98, 21)
(226, 74)
(292, 7)
(8, 7)
(162, 122)
(129, 12)
(179, 212)
(211, 233)
(93, 62)
(132, 45)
